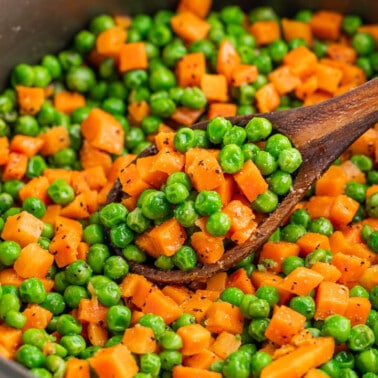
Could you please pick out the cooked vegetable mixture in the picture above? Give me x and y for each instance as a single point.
(305, 306)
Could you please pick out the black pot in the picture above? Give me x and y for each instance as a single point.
(31, 28)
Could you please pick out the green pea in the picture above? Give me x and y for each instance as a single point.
(150, 363)
(150, 124)
(40, 372)
(266, 162)
(204, 46)
(367, 361)
(80, 79)
(68, 325)
(162, 107)
(27, 125)
(363, 162)
(73, 294)
(246, 300)
(236, 365)
(121, 235)
(54, 302)
(184, 139)
(114, 105)
(289, 160)
(258, 129)
(74, 344)
(232, 295)
(93, 234)
(61, 192)
(265, 202)
(319, 254)
(258, 308)
(345, 359)
(162, 79)
(217, 128)
(32, 291)
(292, 232)
(356, 190)
(52, 63)
(218, 224)
(183, 320)
(262, 13)
(360, 338)
(106, 290)
(263, 62)
(280, 182)
(186, 213)
(97, 254)
(35, 206)
(176, 193)
(155, 322)
(193, 98)
(78, 272)
(101, 23)
(373, 296)
(35, 167)
(277, 50)
(155, 205)
(42, 77)
(363, 43)
(331, 368)
(159, 34)
(60, 282)
(30, 356)
(133, 253)
(185, 258)
(9, 252)
(22, 74)
(84, 41)
(321, 225)
(207, 202)
(171, 340)
(231, 158)
(115, 267)
(169, 359)
(290, 263)
(372, 205)
(268, 293)
(15, 319)
(118, 318)
(113, 214)
(300, 217)
(258, 361)
(358, 291)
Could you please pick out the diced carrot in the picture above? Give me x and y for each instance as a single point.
(265, 32)
(227, 59)
(277, 252)
(23, 228)
(118, 164)
(135, 287)
(240, 279)
(4, 150)
(301, 60)
(215, 87)
(195, 338)
(351, 267)
(352, 172)
(220, 109)
(64, 246)
(328, 271)
(36, 187)
(186, 116)
(326, 24)
(103, 131)
(190, 69)
(243, 74)
(132, 56)
(178, 293)
(250, 181)
(224, 344)
(209, 249)
(284, 80)
(329, 78)
(139, 339)
(217, 282)
(168, 161)
(10, 339)
(15, 167)
(54, 139)
(91, 311)
(292, 29)
(343, 210)
(307, 87)
(131, 181)
(301, 360)
(267, 98)
(97, 334)
(189, 26)
(33, 261)
(301, 281)
(58, 173)
(26, 145)
(115, 361)
(319, 206)
(341, 52)
(9, 276)
(30, 99)
(197, 306)
(137, 111)
(109, 41)
(316, 98)
(358, 310)
(160, 304)
(36, 317)
(224, 317)
(331, 298)
(284, 324)
(201, 360)
(199, 7)
(67, 102)
(76, 367)
(370, 277)
(91, 156)
(180, 371)
(311, 241)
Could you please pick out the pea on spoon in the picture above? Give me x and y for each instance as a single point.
(321, 132)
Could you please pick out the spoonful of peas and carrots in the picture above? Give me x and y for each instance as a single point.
(320, 132)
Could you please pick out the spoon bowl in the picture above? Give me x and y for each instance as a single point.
(321, 132)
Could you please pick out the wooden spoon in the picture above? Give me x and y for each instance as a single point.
(320, 132)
